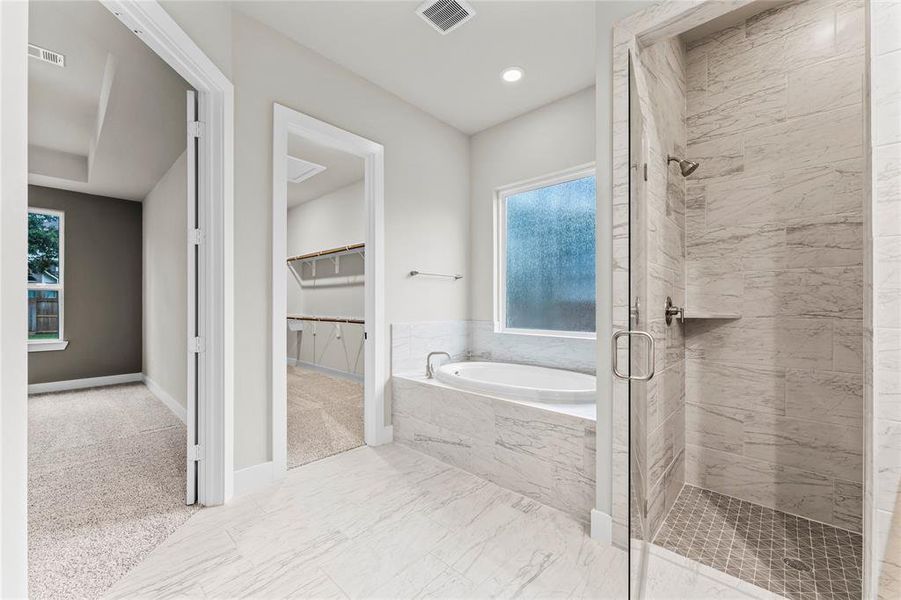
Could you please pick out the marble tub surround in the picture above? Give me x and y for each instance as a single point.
(775, 233)
(658, 270)
(548, 455)
(412, 342)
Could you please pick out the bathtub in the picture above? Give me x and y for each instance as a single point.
(519, 382)
(528, 429)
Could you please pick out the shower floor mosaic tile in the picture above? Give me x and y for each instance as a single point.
(782, 553)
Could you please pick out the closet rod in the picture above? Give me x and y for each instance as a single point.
(321, 253)
(327, 319)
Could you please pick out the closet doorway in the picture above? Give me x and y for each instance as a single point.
(326, 356)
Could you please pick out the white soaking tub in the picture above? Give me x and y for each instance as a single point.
(520, 382)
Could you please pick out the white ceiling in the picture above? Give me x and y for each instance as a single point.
(342, 169)
(456, 77)
(112, 121)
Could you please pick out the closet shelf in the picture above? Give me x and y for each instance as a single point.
(330, 253)
(326, 319)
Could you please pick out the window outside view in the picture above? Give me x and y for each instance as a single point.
(44, 276)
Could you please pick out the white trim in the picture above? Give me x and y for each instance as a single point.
(87, 382)
(500, 246)
(601, 527)
(13, 300)
(251, 479)
(163, 396)
(216, 180)
(47, 345)
(327, 370)
(285, 120)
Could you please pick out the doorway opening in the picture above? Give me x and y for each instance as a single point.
(328, 350)
(127, 199)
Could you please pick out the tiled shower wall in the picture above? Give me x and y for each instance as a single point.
(661, 89)
(884, 302)
(774, 221)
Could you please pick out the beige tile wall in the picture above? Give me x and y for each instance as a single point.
(774, 232)
(662, 92)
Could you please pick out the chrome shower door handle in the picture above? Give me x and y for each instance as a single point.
(652, 351)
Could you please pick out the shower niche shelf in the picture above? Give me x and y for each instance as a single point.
(691, 314)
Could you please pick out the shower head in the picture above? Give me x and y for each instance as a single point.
(687, 167)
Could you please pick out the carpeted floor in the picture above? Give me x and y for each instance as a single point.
(106, 485)
(325, 415)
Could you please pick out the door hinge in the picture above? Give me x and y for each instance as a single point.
(196, 236)
(196, 452)
(196, 345)
(645, 171)
(195, 129)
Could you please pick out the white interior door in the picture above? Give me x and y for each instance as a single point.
(194, 340)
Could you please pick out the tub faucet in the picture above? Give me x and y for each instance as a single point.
(428, 362)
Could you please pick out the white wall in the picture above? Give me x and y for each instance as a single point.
(330, 221)
(426, 206)
(165, 324)
(554, 137)
(13, 327)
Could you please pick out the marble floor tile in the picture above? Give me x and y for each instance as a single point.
(384, 522)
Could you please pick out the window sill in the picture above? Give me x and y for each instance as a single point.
(572, 335)
(47, 345)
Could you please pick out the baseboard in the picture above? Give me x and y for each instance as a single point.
(601, 527)
(292, 362)
(253, 478)
(171, 403)
(328, 370)
(87, 382)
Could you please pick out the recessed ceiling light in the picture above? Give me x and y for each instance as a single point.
(512, 74)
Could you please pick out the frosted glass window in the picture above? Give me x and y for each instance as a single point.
(549, 262)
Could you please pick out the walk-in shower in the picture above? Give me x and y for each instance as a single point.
(746, 445)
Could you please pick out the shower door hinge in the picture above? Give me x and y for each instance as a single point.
(196, 237)
(196, 452)
(196, 345)
(195, 129)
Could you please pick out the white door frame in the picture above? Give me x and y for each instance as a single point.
(285, 120)
(160, 32)
(153, 25)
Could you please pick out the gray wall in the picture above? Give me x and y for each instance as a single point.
(102, 281)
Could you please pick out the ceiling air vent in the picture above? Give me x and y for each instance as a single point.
(445, 15)
(49, 56)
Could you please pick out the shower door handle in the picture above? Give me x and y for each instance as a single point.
(652, 351)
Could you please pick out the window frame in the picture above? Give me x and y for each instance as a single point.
(58, 343)
(500, 247)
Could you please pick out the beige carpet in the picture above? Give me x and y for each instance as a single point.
(106, 485)
(325, 415)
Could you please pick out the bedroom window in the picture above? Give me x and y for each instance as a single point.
(45, 279)
(545, 271)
